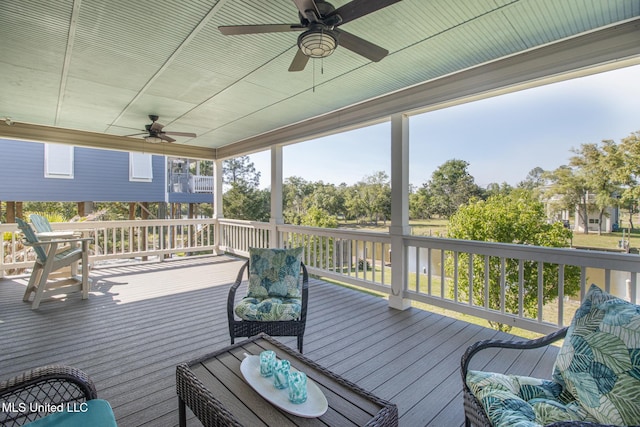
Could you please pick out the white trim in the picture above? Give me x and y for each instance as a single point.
(276, 195)
(58, 161)
(399, 210)
(140, 167)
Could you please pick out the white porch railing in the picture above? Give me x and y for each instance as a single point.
(433, 267)
(364, 259)
(200, 184)
(355, 257)
(118, 240)
(237, 236)
(615, 272)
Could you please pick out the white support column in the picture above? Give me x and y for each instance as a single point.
(217, 204)
(399, 210)
(276, 196)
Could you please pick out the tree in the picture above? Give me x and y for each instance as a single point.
(534, 180)
(569, 190)
(317, 217)
(518, 218)
(300, 197)
(64, 210)
(240, 169)
(201, 167)
(420, 206)
(494, 188)
(243, 201)
(596, 163)
(294, 192)
(379, 196)
(451, 186)
(370, 198)
(326, 197)
(628, 173)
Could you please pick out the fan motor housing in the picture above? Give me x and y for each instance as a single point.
(324, 8)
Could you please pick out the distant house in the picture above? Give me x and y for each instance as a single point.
(33, 171)
(611, 216)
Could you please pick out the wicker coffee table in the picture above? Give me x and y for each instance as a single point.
(213, 387)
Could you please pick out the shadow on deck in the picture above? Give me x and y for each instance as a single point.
(141, 320)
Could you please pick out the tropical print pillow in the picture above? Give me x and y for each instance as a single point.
(269, 309)
(512, 400)
(274, 272)
(599, 362)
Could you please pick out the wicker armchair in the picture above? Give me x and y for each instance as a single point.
(595, 375)
(248, 328)
(473, 411)
(23, 397)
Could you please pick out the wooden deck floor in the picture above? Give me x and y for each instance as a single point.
(141, 320)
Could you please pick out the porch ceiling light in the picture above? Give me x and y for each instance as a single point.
(153, 139)
(318, 42)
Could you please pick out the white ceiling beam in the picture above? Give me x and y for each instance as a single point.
(71, 37)
(31, 132)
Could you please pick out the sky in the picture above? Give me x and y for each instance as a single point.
(502, 138)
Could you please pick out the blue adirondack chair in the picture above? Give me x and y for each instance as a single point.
(40, 223)
(50, 259)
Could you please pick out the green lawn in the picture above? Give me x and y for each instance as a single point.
(606, 240)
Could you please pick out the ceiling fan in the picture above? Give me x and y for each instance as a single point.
(155, 133)
(319, 21)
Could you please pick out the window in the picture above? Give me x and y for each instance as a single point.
(140, 167)
(58, 161)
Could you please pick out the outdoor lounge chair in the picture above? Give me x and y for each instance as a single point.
(49, 259)
(44, 231)
(595, 380)
(41, 225)
(276, 303)
(33, 396)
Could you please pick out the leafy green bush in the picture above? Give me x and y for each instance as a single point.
(518, 218)
(362, 264)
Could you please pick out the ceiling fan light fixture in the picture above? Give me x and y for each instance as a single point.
(318, 43)
(153, 139)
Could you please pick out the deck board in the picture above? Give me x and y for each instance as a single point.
(141, 320)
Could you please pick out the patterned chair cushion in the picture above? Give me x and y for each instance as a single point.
(599, 362)
(596, 377)
(269, 309)
(274, 273)
(511, 400)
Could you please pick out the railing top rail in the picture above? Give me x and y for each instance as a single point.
(133, 222)
(568, 256)
(8, 227)
(244, 223)
(374, 236)
(87, 225)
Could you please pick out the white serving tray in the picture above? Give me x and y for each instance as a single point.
(316, 403)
